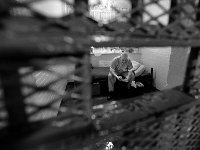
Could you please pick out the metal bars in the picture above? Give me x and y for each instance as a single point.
(175, 23)
(41, 87)
(191, 85)
(44, 45)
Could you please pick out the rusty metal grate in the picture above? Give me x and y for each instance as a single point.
(176, 131)
(42, 86)
(170, 23)
(3, 112)
(36, 48)
(191, 84)
(173, 129)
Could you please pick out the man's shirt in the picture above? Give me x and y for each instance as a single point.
(119, 67)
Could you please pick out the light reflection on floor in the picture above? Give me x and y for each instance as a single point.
(109, 146)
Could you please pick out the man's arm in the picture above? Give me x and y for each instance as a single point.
(113, 73)
(133, 68)
(112, 70)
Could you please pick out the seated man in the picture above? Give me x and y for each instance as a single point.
(121, 69)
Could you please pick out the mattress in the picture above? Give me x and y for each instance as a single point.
(99, 73)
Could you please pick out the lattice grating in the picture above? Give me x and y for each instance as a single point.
(174, 22)
(154, 18)
(176, 130)
(53, 37)
(43, 86)
(192, 85)
(3, 112)
(44, 95)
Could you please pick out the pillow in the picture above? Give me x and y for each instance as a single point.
(139, 70)
(135, 64)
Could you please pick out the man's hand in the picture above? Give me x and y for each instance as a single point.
(119, 78)
(125, 80)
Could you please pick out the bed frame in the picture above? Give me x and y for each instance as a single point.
(100, 81)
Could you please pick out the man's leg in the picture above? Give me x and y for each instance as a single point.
(111, 82)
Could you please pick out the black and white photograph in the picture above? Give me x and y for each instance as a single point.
(99, 74)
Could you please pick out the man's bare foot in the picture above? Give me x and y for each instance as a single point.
(139, 84)
(133, 84)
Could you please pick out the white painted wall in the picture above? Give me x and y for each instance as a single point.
(169, 65)
(157, 58)
(177, 67)
(105, 59)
